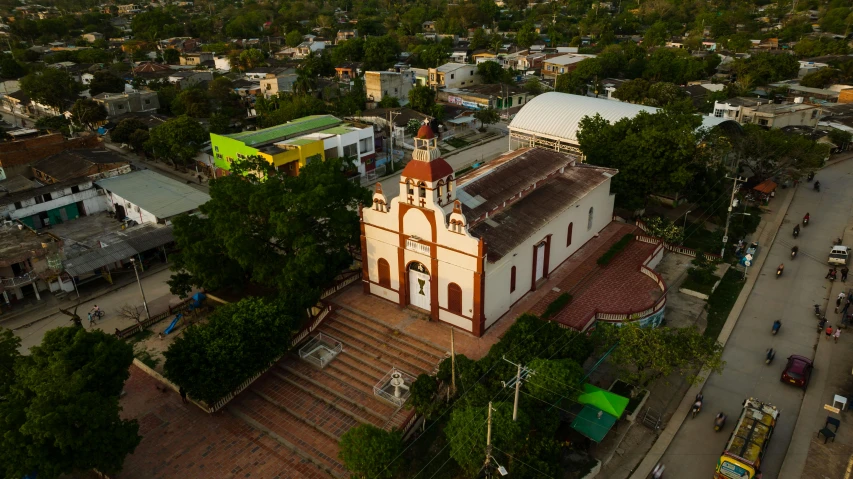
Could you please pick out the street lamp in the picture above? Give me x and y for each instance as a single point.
(144, 303)
(685, 218)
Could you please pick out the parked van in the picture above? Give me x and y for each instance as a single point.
(839, 255)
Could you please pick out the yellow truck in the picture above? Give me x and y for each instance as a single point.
(745, 448)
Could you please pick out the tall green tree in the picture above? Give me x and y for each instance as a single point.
(371, 452)
(767, 153)
(488, 116)
(121, 133)
(466, 433)
(9, 355)
(526, 36)
(555, 379)
(87, 113)
(60, 415)
(493, 72)
(9, 67)
(51, 86)
(179, 140)
(654, 153)
(171, 56)
(293, 233)
(422, 98)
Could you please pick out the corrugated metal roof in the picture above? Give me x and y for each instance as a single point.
(89, 262)
(557, 115)
(119, 246)
(275, 133)
(159, 195)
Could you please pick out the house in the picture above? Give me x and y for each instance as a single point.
(279, 84)
(379, 85)
(222, 63)
(460, 55)
(552, 67)
(149, 197)
(18, 154)
(92, 37)
(479, 97)
(75, 164)
(453, 75)
(290, 146)
(392, 121)
(766, 113)
(345, 35)
(196, 59)
(186, 79)
(347, 71)
(308, 47)
(24, 261)
(16, 102)
(428, 26)
(151, 71)
(132, 102)
(46, 205)
(128, 9)
(464, 249)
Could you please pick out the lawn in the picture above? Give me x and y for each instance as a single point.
(721, 302)
(698, 238)
(693, 285)
(456, 142)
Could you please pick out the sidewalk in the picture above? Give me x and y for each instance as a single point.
(765, 235)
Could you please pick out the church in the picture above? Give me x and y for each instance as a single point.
(465, 248)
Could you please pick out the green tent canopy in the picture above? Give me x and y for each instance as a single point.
(606, 401)
(593, 423)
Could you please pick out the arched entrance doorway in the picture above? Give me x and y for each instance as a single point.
(419, 286)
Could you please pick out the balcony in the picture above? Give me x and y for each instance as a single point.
(18, 281)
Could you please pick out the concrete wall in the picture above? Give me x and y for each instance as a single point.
(16, 156)
(131, 210)
(92, 202)
(381, 84)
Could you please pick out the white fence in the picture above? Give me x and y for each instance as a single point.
(320, 350)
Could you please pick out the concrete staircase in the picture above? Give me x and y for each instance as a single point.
(308, 409)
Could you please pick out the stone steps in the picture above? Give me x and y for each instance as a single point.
(395, 338)
(432, 349)
(370, 345)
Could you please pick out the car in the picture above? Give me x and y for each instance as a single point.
(798, 371)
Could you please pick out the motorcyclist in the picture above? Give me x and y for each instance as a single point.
(806, 218)
(817, 185)
(770, 355)
(811, 175)
(657, 473)
(795, 250)
(796, 230)
(776, 325)
(720, 419)
(832, 273)
(780, 269)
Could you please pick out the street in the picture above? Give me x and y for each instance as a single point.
(696, 447)
(156, 293)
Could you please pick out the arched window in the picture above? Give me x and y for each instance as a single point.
(410, 188)
(569, 235)
(589, 221)
(440, 188)
(384, 273)
(422, 189)
(512, 280)
(449, 183)
(454, 298)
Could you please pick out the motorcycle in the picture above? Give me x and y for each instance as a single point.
(837, 241)
(697, 405)
(794, 251)
(817, 186)
(719, 421)
(817, 310)
(810, 177)
(770, 355)
(806, 220)
(776, 325)
(821, 325)
(796, 231)
(779, 270)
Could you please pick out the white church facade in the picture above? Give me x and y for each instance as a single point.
(465, 249)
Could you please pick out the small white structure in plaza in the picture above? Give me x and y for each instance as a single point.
(465, 249)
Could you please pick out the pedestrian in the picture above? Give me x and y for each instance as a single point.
(91, 321)
(118, 332)
(844, 272)
(838, 300)
(199, 179)
(183, 393)
(837, 333)
(828, 331)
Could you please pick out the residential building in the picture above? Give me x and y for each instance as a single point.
(132, 102)
(149, 197)
(222, 63)
(479, 97)
(766, 113)
(76, 164)
(196, 59)
(26, 259)
(308, 47)
(348, 71)
(280, 84)
(453, 75)
(128, 9)
(459, 55)
(552, 67)
(464, 249)
(379, 85)
(46, 205)
(187, 79)
(428, 26)
(345, 35)
(92, 37)
(17, 155)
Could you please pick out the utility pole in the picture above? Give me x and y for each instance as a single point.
(144, 303)
(736, 179)
(452, 364)
(487, 464)
(520, 376)
(391, 115)
(517, 390)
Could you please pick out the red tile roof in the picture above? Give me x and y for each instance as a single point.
(427, 171)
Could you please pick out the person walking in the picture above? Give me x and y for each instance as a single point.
(837, 333)
(838, 300)
(844, 272)
(828, 332)
(183, 393)
(91, 321)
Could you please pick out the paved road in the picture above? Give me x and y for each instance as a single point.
(790, 298)
(156, 293)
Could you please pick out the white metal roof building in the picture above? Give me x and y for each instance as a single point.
(551, 120)
(149, 197)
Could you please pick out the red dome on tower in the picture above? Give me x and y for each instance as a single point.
(425, 132)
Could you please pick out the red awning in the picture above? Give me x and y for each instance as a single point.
(765, 186)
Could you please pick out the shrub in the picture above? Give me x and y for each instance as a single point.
(605, 259)
(557, 305)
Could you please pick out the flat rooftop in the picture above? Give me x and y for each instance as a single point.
(17, 245)
(285, 131)
(157, 194)
(84, 233)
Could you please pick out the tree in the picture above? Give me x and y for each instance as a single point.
(422, 98)
(657, 94)
(293, 233)
(479, 39)
(293, 38)
(703, 269)
(121, 133)
(389, 101)
(239, 340)
(767, 68)
(51, 86)
(251, 58)
(9, 355)
(423, 393)
(820, 79)
(656, 35)
(9, 67)
(58, 123)
(466, 433)
(487, 116)
(371, 452)
(432, 55)
(380, 53)
(105, 81)
(413, 126)
(533, 86)
(492, 72)
(767, 153)
(61, 412)
(644, 355)
(840, 138)
(555, 379)
(179, 140)
(171, 56)
(87, 113)
(654, 153)
(577, 81)
(526, 36)
(138, 138)
(219, 123)
(664, 229)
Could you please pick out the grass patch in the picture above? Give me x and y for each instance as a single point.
(618, 246)
(557, 305)
(699, 287)
(456, 142)
(721, 302)
(146, 358)
(139, 337)
(701, 239)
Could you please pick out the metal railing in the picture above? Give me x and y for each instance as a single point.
(318, 320)
(320, 350)
(21, 280)
(384, 390)
(671, 247)
(346, 280)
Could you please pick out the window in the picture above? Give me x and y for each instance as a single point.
(814, 113)
(569, 235)
(718, 113)
(365, 145)
(229, 159)
(589, 221)
(762, 122)
(47, 197)
(219, 155)
(75, 189)
(410, 187)
(120, 107)
(216, 149)
(454, 298)
(422, 189)
(520, 100)
(384, 270)
(471, 73)
(269, 86)
(440, 189)
(512, 280)
(18, 205)
(147, 102)
(449, 184)
(351, 150)
(452, 75)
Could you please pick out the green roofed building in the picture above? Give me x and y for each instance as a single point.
(291, 145)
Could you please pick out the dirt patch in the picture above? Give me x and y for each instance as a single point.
(150, 345)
